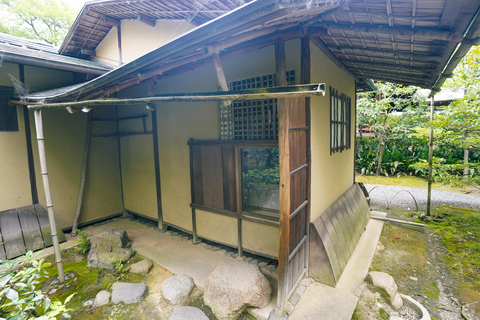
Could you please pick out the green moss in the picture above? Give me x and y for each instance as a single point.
(383, 315)
(357, 314)
(432, 291)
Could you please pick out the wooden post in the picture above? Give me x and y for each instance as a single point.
(86, 150)
(430, 157)
(223, 106)
(305, 77)
(284, 160)
(119, 39)
(48, 195)
(466, 171)
(156, 158)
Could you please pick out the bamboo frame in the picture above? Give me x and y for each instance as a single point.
(48, 194)
(88, 137)
(250, 94)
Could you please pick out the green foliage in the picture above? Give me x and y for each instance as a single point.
(449, 173)
(19, 298)
(382, 314)
(83, 242)
(119, 268)
(46, 20)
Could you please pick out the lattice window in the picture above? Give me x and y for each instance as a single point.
(340, 121)
(8, 114)
(252, 119)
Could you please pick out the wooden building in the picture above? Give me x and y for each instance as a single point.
(231, 120)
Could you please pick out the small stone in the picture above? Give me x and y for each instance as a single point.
(142, 267)
(222, 251)
(270, 268)
(262, 264)
(175, 290)
(128, 292)
(428, 219)
(248, 259)
(395, 318)
(242, 258)
(213, 248)
(184, 238)
(88, 303)
(229, 254)
(187, 313)
(235, 255)
(174, 234)
(102, 298)
(384, 284)
(254, 261)
(52, 291)
(55, 282)
(413, 278)
(169, 232)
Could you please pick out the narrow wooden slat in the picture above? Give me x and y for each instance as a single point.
(294, 252)
(294, 213)
(297, 170)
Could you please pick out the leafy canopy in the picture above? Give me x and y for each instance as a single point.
(45, 20)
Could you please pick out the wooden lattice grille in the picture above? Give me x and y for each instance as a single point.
(252, 119)
(340, 121)
(8, 114)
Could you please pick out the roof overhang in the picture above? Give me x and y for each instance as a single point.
(403, 41)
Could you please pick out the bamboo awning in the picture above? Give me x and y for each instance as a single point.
(249, 94)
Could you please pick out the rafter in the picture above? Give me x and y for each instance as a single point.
(396, 54)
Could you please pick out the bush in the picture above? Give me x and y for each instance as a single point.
(19, 298)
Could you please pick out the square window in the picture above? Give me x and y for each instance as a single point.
(8, 114)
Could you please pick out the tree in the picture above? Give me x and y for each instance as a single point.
(45, 20)
(389, 113)
(457, 126)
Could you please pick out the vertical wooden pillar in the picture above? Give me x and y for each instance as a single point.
(28, 140)
(119, 39)
(284, 159)
(48, 194)
(305, 76)
(156, 157)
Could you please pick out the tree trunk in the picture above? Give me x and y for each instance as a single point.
(381, 145)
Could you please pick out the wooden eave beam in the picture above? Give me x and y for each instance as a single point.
(426, 68)
(387, 54)
(111, 22)
(423, 32)
(308, 90)
(147, 20)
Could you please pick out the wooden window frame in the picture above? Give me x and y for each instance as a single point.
(8, 114)
(340, 121)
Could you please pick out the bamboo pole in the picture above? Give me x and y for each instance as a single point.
(430, 157)
(86, 150)
(249, 94)
(48, 194)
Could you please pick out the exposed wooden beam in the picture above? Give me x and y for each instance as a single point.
(402, 55)
(430, 33)
(321, 45)
(450, 12)
(424, 68)
(111, 22)
(388, 59)
(86, 52)
(147, 20)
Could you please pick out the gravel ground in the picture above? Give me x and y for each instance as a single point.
(382, 196)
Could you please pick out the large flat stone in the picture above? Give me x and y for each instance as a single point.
(128, 292)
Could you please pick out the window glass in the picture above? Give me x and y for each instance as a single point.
(260, 180)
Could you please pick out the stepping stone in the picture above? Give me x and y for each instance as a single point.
(188, 313)
(128, 292)
(142, 267)
(175, 290)
(102, 298)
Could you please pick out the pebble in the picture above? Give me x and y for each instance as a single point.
(262, 264)
(413, 278)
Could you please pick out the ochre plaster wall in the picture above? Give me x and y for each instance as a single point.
(332, 174)
(177, 123)
(64, 143)
(14, 175)
(133, 46)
